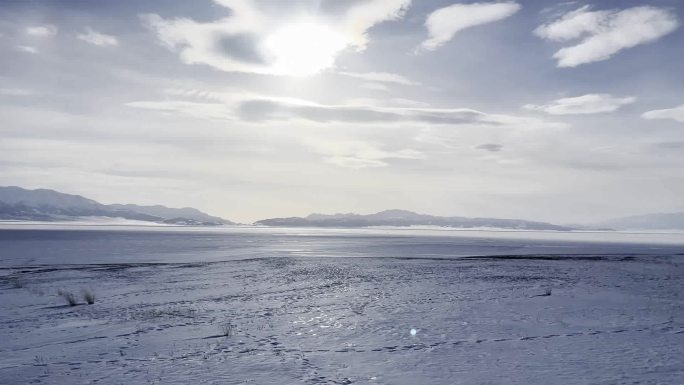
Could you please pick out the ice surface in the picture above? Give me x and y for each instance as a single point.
(331, 307)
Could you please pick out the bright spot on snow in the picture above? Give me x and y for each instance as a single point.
(413, 332)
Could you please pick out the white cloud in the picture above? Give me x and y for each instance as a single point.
(386, 102)
(374, 86)
(408, 102)
(361, 17)
(444, 23)
(383, 77)
(260, 109)
(676, 113)
(27, 49)
(42, 30)
(201, 110)
(402, 130)
(93, 37)
(585, 104)
(357, 154)
(602, 34)
(391, 102)
(270, 110)
(249, 40)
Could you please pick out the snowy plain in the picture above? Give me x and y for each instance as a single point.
(248, 305)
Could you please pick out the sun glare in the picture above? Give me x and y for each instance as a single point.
(303, 49)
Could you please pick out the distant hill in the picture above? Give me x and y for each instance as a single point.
(170, 213)
(668, 221)
(17, 203)
(405, 218)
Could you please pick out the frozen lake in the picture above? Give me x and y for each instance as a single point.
(25, 244)
(326, 306)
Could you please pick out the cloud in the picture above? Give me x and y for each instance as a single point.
(361, 17)
(254, 108)
(261, 109)
(602, 34)
(491, 147)
(389, 102)
(444, 23)
(382, 77)
(357, 154)
(408, 102)
(265, 110)
(585, 104)
(27, 49)
(93, 37)
(670, 145)
(17, 92)
(374, 86)
(201, 110)
(676, 113)
(46, 30)
(250, 40)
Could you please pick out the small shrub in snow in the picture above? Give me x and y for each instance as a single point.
(227, 329)
(68, 296)
(39, 361)
(88, 296)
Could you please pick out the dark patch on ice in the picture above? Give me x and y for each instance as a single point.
(40, 269)
(192, 265)
(573, 257)
(513, 278)
(214, 336)
(63, 306)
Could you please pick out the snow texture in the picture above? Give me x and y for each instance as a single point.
(321, 307)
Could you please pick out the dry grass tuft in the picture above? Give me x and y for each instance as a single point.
(227, 329)
(68, 296)
(88, 296)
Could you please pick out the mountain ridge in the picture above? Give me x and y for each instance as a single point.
(17, 203)
(404, 218)
(652, 221)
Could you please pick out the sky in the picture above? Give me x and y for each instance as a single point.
(561, 111)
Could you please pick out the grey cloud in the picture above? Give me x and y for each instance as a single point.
(264, 109)
(492, 147)
(670, 145)
(241, 47)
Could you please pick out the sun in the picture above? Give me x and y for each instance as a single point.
(304, 48)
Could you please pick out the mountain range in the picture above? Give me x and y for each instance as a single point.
(662, 221)
(17, 203)
(21, 204)
(406, 218)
